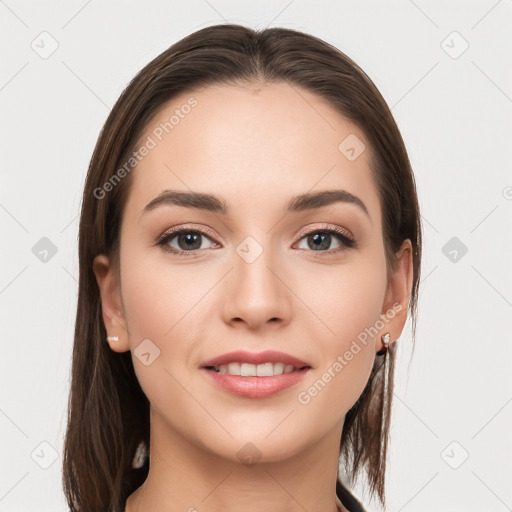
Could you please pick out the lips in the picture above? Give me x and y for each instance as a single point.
(269, 356)
(251, 375)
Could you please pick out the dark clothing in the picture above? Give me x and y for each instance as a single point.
(348, 499)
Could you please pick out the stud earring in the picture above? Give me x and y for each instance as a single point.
(385, 341)
(112, 338)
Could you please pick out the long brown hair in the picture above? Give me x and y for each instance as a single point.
(108, 413)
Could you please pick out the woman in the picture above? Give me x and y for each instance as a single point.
(250, 248)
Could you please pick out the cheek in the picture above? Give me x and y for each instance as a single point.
(165, 304)
(158, 297)
(348, 302)
(346, 298)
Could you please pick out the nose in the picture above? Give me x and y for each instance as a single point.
(256, 293)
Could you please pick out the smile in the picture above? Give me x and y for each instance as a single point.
(253, 370)
(255, 386)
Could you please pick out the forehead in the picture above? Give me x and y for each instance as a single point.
(253, 144)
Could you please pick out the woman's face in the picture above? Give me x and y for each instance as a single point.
(259, 277)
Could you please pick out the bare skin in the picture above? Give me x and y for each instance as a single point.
(255, 146)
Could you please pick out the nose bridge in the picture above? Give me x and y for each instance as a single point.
(256, 293)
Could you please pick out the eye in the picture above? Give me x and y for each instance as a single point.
(183, 241)
(186, 241)
(320, 240)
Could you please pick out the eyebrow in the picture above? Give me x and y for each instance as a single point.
(216, 204)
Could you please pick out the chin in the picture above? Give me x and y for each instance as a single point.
(259, 448)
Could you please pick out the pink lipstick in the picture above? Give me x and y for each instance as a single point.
(255, 375)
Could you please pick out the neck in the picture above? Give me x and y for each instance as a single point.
(183, 476)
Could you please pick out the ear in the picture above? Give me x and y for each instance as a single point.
(398, 294)
(111, 303)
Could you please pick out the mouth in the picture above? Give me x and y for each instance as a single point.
(260, 370)
(255, 375)
(250, 363)
(254, 386)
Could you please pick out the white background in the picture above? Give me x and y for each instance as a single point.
(455, 115)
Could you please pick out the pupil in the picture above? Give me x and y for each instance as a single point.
(190, 239)
(319, 239)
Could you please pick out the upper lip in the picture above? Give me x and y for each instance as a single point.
(268, 356)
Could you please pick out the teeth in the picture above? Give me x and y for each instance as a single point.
(255, 370)
(248, 370)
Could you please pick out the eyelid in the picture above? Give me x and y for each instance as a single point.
(326, 227)
(205, 231)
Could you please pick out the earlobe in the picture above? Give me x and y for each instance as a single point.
(111, 304)
(396, 303)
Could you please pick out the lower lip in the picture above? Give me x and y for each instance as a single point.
(255, 387)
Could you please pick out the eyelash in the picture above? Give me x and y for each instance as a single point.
(346, 241)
